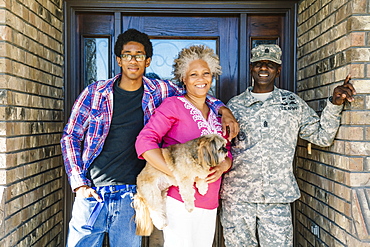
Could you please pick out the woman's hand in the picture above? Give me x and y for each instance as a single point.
(230, 126)
(217, 171)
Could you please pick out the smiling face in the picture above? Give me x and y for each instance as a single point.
(198, 78)
(133, 71)
(264, 73)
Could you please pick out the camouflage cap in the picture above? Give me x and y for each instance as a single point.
(270, 52)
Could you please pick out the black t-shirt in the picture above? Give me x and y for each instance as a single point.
(118, 163)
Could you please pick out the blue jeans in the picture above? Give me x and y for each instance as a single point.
(114, 216)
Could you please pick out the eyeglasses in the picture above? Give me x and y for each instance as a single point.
(128, 57)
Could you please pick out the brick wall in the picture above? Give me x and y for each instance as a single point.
(333, 41)
(31, 120)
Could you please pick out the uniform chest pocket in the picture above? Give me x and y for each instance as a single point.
(285, 124)
(246, 138)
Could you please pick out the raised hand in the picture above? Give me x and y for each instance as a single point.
(344, 92)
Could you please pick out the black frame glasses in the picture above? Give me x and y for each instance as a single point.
(138, 58)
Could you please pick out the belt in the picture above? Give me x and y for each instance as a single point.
(115, 188)
(130, 190)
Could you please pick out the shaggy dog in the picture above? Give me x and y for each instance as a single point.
(187, 161)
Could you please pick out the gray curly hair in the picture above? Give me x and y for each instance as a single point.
(195, 52)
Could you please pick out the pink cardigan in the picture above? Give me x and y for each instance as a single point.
(176, 120)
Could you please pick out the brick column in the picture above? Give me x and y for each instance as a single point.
(334, 40)
(31, 120)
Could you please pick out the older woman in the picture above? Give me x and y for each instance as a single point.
(178, 120)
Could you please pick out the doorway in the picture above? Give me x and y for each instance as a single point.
(169, 34)
(231, 29)
(231, 36)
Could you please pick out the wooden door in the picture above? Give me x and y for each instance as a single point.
(233, 42)
(222, 30)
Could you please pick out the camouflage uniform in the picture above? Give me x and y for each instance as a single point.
(261, 185)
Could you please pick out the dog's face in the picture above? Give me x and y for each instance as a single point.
(211, 150)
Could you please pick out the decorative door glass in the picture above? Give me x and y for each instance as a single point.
(164, 53)
(96, 66)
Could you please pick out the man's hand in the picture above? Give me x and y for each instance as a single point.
(230, 126)
(86, 191)
(344, 92)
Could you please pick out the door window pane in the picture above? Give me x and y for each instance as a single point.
(166, 50)
(96, 67)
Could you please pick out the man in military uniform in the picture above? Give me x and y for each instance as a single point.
(258, 190)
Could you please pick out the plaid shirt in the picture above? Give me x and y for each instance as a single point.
(91, 117)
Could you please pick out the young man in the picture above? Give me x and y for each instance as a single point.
(260, 186)
(98, 144)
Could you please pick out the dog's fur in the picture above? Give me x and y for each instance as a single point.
(186, 161)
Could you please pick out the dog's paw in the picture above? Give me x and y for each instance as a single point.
(202, 188)
(159, 221)
(189, 207)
